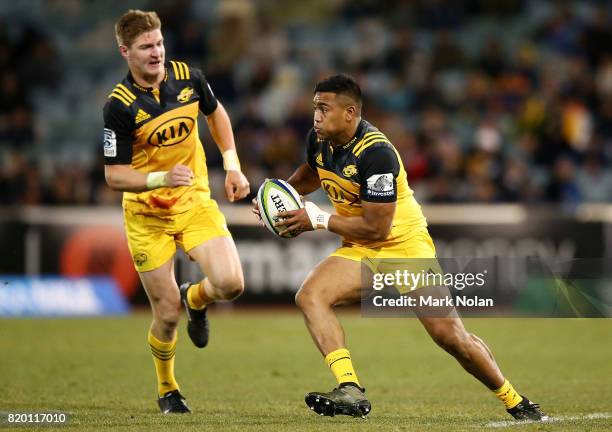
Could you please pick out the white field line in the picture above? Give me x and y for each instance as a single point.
(507, 423)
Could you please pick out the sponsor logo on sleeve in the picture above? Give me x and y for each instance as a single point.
(110, 143)
(380, 185)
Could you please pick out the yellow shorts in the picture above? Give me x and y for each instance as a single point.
(152, 239)
(420, 245)
(416, 255)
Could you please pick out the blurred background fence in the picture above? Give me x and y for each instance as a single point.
(83, 242)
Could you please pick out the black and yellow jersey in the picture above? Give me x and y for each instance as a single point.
(155, 129)
(367, 168)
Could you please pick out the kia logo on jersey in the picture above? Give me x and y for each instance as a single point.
(171, 132)
(337, 193)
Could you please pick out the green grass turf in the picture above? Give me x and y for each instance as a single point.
(260, 364)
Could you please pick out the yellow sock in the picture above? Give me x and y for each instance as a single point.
(194, 298)
(340, 363)
(508, 395)
(163, 357)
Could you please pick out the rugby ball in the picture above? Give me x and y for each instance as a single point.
(276, 196)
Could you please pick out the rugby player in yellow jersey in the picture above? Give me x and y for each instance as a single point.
(377, 217)
(154, 155)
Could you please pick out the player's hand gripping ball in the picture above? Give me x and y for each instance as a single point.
(276, 196)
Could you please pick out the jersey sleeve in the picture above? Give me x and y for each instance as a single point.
(118, 140)
(208, 101)
(378, 169)
(311, 149)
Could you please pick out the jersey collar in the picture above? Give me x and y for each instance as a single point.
(358, 134)
(137, 86)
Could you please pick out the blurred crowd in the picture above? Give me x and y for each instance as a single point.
(505, 101)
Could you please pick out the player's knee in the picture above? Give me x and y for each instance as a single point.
(229, 286)
(305, 300)
(299, 299)
(234, 289)
(168, 319)
(167, 312)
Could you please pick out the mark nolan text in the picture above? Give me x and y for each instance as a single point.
(403, 301)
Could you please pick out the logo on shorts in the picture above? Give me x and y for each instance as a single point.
(140, 259)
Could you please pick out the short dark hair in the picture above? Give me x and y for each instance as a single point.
(340, 84)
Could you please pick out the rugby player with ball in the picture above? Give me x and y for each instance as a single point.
(377, 217)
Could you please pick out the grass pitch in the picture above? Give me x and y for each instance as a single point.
(259, 365)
